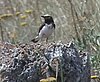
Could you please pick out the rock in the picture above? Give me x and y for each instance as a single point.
(33, 62)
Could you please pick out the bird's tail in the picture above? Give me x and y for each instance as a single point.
(36, 39)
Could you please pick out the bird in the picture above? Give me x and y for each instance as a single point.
(46, 29)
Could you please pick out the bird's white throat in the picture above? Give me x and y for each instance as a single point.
(46, 31)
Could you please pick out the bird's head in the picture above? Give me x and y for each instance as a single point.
(48, 19)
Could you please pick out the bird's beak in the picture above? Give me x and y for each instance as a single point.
(42, 16)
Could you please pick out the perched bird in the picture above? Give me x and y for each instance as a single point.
(46, 29)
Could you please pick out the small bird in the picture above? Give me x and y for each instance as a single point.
(46, 29)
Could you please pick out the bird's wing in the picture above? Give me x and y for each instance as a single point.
(41, 27)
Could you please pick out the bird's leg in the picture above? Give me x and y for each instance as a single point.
(54, 37)
(46, 40)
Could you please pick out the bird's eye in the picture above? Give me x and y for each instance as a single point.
(49, 17)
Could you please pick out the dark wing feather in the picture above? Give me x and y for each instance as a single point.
(54, 25)
(41, 27)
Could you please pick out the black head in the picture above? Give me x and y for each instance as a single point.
(48, 19)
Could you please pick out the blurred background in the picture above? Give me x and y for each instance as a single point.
(74, 19)
(20, 19)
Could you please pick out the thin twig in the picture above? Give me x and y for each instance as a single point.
(76, 31)
(1, 31)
